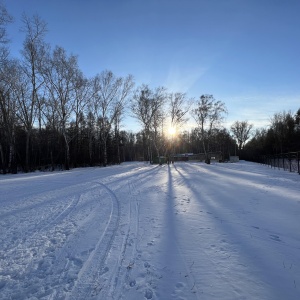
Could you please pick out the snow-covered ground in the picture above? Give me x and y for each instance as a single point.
(138, 231)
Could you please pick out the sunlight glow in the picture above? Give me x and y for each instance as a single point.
(172, 131)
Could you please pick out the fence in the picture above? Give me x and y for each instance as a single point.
(286, 161)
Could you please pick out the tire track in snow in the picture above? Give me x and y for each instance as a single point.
(58, 267)
(89, 281)
(103, 281)
(68, 261)
(127, 257)
(126, 241)
(131, 262)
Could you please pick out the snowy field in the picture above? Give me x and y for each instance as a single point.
(138, 231)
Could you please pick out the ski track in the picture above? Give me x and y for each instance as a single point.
(150, 232)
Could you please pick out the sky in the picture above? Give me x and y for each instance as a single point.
(245, 53)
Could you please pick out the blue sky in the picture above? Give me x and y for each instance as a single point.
(244, 52)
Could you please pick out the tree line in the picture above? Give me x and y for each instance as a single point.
(52, 116)
(281, 136)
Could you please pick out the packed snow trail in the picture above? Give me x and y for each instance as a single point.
(137, 231)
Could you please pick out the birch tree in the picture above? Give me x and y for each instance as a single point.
(146, 106)
(108, 102)
(208, 114)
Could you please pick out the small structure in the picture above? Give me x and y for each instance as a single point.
(211, 156)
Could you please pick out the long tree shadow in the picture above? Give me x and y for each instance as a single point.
(243, 249)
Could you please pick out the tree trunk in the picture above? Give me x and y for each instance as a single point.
(67, 159)
(118, 153)
(91, 150)
(207, 160)
(118, 145)
(76, 144)
(11, 159)
(104, 152)
(2, 160)
(52, 161)
(27, 166)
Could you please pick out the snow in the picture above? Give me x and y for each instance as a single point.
(140, 231)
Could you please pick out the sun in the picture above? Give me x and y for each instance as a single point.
(172, 131)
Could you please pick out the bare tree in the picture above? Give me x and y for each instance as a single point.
(146, 106)
(60, 73)
(179, 107)
(5, 19)
(6, 105)
(241, 131)
(208, 115)
(83, 93)
(33, 54)
(158, 121)
(108, 102)
(141, 107)
(8, 118)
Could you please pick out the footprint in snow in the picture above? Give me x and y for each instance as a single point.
(179, 285)
(132, 283)
(275, 237)
(148, 294)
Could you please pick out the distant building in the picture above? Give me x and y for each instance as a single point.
(213, 156)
